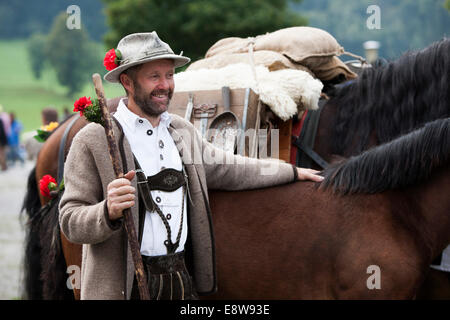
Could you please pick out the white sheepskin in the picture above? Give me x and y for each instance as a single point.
(283, 90)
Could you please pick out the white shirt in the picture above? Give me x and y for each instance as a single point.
(445, 263)
(155, 150)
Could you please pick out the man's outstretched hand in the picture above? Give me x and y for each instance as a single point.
(309, 174)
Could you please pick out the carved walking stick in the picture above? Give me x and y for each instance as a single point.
(129, 223)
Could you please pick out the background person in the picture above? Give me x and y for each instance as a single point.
(48, 115)
(3, 146)
(14, 153)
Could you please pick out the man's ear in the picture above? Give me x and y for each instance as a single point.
(127, 83)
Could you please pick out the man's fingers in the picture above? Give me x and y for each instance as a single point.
(130, 175)
(124, 181)
(309, 174)
(314, 177)
(123, 198)
(117, 183)
(116, 209)
(115, 192)
(122, 206)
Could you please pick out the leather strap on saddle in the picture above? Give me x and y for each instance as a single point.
(305, 142)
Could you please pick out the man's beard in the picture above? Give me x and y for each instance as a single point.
(144, 100)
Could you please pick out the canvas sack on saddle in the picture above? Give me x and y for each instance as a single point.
(306, 46)
(272, 60)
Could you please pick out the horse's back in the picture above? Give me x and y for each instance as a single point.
(299, 242)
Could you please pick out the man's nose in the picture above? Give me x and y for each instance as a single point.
(164, 84)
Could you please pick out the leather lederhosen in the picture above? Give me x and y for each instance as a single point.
(168, 278)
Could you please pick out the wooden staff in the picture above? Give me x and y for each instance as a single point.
(129, 223)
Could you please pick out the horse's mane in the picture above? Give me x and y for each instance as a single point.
(393, 98)
(397, 164)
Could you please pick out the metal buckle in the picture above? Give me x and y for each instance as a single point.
(140, 171)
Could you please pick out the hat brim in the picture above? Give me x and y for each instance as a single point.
(113, 75)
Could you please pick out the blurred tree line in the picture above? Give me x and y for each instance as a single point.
(405, 24)
(193, 26)
(71, 54)
(22, 18)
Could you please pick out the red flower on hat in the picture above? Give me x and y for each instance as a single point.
(47, 184)
(81, 104)
(111, 60)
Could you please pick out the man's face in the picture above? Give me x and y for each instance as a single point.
(153, 86)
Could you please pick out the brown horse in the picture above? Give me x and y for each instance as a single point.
(384, 213)
(344, 101)
(382, 104)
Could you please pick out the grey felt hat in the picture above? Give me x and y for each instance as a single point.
(138, 48)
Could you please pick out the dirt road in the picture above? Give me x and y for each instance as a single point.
(12, 232)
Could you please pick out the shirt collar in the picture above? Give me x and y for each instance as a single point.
(131, 120)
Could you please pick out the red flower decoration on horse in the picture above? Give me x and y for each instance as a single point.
(88, 108)
(47, 184)
(81, 104)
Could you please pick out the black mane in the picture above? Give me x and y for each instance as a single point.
(397, 164)
(393, 99)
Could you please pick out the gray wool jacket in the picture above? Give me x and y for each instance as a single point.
(107, 270)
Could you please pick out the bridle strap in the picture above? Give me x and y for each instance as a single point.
(62, 147)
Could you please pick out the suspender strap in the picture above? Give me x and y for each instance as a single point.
(143, 188)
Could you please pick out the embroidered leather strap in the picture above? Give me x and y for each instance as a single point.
(166, 180)
(169, 180)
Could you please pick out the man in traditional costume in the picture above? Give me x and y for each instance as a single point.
(174, 167)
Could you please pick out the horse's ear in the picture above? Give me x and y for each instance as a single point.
(113, 103)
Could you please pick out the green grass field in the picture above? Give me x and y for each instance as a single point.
(26, 96)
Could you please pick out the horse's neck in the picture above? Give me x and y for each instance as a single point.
(433, 202)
